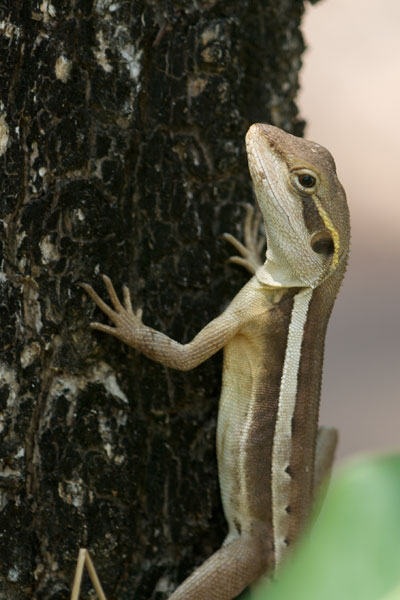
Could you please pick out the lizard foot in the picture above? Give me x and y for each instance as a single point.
(126, 320)
(253, 242)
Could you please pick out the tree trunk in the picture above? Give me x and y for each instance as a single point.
(122, 152)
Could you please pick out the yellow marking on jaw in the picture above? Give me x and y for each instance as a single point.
(330, 227)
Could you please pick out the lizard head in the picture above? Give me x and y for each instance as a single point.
(303, 205)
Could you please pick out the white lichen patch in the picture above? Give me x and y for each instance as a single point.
(20, 453)
(104, 374)
(9, 30)
(22, 261)
(4, 134)
(8, 472)
(80, 214)
(9, 377)
(100, 53)
(63, 68)
(47, 9)
(3, 501)
(107, 435)
(108, 449)
(110, 5)
(212, 33)
(29, 353)
(34, 153)
(105, 429)
(72, 492)
(164, 585)
(68, 386)
(196, 85)
(20, 238)
(32, 310)
(132, 58)
(71, 386)
(116, 38)
(13, 575)
(49, 250)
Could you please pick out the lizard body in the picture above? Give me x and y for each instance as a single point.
(273, 335)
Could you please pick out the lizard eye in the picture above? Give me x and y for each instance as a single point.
(306, 180)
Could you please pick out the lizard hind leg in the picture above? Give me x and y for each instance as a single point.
(227, 572)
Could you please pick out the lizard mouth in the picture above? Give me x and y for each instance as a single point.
(322, 243)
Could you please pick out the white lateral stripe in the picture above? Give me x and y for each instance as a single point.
(282, 444)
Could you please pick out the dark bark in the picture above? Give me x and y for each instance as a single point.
(122, 152)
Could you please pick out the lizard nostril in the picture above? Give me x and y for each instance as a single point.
(322, 243)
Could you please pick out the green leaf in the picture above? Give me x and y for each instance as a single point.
(352, 552)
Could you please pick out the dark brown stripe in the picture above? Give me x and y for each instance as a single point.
(266, 389)
(311, 216)
(305, 420)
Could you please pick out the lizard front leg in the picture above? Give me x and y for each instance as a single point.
(157, 346)
(250, 251)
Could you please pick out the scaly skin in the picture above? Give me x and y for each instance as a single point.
(273, 336)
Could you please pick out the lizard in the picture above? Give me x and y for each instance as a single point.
(271, 455)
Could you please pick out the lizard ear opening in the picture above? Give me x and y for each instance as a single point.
(322, 243)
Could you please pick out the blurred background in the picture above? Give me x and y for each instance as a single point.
(350, 99)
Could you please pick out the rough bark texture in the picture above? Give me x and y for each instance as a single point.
(122, 151)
